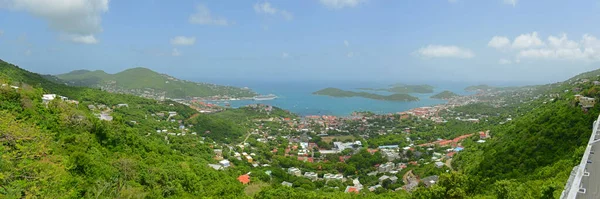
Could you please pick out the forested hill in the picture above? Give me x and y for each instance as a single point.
(140, 81)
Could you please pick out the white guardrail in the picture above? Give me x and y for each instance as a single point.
(573, 186)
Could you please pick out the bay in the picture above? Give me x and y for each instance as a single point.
(297, 97)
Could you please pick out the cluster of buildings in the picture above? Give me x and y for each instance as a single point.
(314, 176)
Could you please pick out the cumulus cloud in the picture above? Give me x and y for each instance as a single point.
(339, 4)
(175, 53)
(499, 42)
(183, 41)
(504, 61)
(79, 19)
(346, 43)
(27, 52)
(511, 2)
(285, 55)
(1, 32)
(267, 8)
(561, 48)
(439, 51)
(527, 40)
(204, 17)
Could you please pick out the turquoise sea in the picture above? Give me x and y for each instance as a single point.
(298, 98)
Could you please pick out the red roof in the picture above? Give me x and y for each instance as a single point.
(244, 179)
(353, 190)
(451, 154)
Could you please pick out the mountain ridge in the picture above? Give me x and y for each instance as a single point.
(144, 81)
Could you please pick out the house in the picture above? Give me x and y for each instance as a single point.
(373, 188)
(311, 176)
(439, 164)
(587, 102)
(387, 167)
(383, 177)
(394, 179)
(294, 171)
(286, 184)
(46, 98)
(225, 163)
(215, 166)
(329, 176)
(105, 117)
(429, 181)
(244, 179)
(122, 105)
(458, 149)
(91, 107)
(352, 189)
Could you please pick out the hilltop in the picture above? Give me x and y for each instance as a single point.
(145, 82)
(444, 95)
(335, 92)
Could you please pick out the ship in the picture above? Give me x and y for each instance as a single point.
(265, 97)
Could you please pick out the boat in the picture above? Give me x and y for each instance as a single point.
(265, 97)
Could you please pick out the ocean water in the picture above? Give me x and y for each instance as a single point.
(297, 97)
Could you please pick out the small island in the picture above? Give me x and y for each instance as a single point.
(336, 92)
(445, 95)
(479, 87)
(404, 88)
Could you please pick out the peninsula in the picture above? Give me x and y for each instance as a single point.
(335, 92)
(445, 95)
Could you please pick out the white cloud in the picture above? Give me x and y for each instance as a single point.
(527, 41)
(504, 61)
(78, 18)
(285, 55)
(266, 8)
(204, 17)
(175, 53)
(183, 41)
(499, 42)
(561, 48)
(562, 42)
(438, 51)
(339, 4)
(83, 39)
(511, 2)
(1, 32)
(346, 43)
(27, 52)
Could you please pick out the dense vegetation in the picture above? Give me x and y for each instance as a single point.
(148, 80)
(61, 150)
(444, 95)
(404, 88)
(335, 92)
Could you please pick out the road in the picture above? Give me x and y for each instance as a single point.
(592, 182)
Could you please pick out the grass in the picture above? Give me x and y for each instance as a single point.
(254, 188)
(342, 138)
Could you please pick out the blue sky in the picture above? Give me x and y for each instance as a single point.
(526, 41)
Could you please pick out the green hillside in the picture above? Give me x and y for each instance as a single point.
(335, 92)
(444, 95)
(140, 81)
